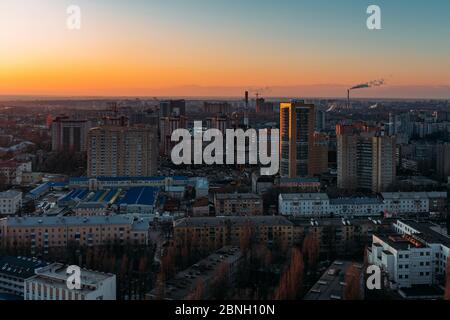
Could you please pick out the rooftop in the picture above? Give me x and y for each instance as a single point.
(234, 220)
(236, 196)
(55, 274)
(185, 282)
(10, 194)
(331, 285)
(21, 267)
(137, 224)
(303, 196)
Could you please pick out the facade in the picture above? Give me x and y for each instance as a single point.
(408, 202)
(297, 121)
(213, 233)
(12, 171)
(397, 203)
(238, 204)
(304, 204)
(122, 151)
(69, 135)
(167, 125)
(50, 283)
(217, 107)
(412, 254)
(43, 233)
(10, 202)
(263, 106)
(366, 159)
(14, 271)
(172, 108)
(200, 207)
(319, 155)
(339, 236)
(443, 161)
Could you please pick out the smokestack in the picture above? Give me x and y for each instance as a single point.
(348, 99)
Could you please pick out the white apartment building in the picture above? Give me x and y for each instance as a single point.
(406, 202)
(415, 255)
(304, 204)
(14, 271)
(10, 202)
(314, 204)
(50, 283)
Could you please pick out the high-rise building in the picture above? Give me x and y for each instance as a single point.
(443, 161)
(217, 107)
(122, 151)
(172, 108)
(319, 154)
(263, 106)
(69, 135)
(366, 158)
(384, 167)
(167, 125)
(297, 121)
(320, 120)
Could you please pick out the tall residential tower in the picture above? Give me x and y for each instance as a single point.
(297, 121)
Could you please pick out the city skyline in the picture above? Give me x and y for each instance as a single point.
(219, 48)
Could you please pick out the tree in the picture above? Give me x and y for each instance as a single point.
(311, 250)
(352, 289)
(245, 237)
(291, 280)
(198, 292)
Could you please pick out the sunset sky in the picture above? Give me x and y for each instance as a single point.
(221, 47)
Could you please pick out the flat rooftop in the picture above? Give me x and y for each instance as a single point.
(203, 271)
(233, 220)
(331, 284)
(55, 274)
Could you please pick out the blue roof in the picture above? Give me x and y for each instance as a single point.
(155, 178)
(57, 184)
(110, 195)
(39, 189)
(140, 196)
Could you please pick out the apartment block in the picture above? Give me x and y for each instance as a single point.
(213, 233)
(10, 202)
(50, 283)
(238, 204)
(412, 254)
(115, 151)
(44, 233)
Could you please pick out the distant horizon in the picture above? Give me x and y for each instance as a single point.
(275, 92)
(221, 48)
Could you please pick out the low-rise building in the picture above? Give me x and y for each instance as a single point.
(10, 202)
(200, 208)
(413, 254)
(90, 209)
(44, 233)
(14, 271)
(331, 285)
(12, 171)
(50, 283)
(238, 204)
(184, 286)
(304, 204)
(212, 233)
(389, 204)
